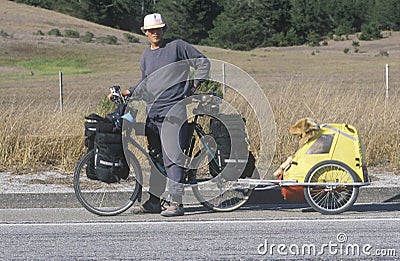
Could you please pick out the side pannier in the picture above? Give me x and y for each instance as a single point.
(109, 163)
(91, 122)
(232, 158)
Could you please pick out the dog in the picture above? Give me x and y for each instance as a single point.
(306, 129)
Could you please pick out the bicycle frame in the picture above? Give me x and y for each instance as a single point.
(188, 151)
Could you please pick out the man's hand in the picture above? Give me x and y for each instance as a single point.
(124, 93)
(194, 88)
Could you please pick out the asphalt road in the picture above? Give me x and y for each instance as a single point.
(367, 231)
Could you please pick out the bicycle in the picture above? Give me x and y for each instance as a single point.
(213, 191)
(328, 179)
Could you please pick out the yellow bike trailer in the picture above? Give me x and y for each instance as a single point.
(327, 171)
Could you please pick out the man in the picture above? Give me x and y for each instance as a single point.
(165, 67)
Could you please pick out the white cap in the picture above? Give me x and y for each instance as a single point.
(152, 21)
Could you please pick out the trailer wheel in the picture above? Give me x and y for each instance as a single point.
(331, 199)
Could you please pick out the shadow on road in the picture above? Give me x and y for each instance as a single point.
(365, 207)
(379, 207)
(368, 207)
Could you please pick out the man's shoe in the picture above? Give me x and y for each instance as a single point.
(175, 209)
(148, 208)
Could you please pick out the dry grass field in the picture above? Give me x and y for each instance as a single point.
(324, 83)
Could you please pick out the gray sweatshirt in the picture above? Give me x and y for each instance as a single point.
(166, 73)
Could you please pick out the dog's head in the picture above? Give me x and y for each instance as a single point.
(305, 128)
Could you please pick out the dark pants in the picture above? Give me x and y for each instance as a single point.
(172, 160)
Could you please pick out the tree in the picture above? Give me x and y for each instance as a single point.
(309, 19)
(38, 3)
(248, 24)
(241, 24)
(386, 13)
(237, 27)
(123, 14)
(189, 20)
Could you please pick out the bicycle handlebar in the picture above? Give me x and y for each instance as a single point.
(206, 98)
(116, 95)
(207, 102)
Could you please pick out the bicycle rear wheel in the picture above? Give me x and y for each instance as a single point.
(209, 186)
(220, 195)
(106, 199)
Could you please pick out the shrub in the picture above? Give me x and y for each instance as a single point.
(87, 38)
(338, 38)
(3, 34)
(54, 32)
(105, 106)
(130, 38)
(71, 33)
(346, 50)
(292, 38)
(39, 32)
(383, 53)
(278, 39)
(356, 44)
(109, 39)
(313, 39)
(344, 29)
(210, 87)
(369, 32)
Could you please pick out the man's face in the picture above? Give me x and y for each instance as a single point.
(155, 36)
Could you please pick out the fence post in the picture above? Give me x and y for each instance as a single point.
(61, 91)
(387, 81)
(223, 79)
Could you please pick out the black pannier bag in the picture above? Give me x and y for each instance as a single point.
(91, 122)
(228, 130)
(105, 137)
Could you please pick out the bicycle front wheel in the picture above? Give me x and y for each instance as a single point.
(106, 199)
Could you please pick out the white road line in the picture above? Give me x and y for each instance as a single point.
(191, 222)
